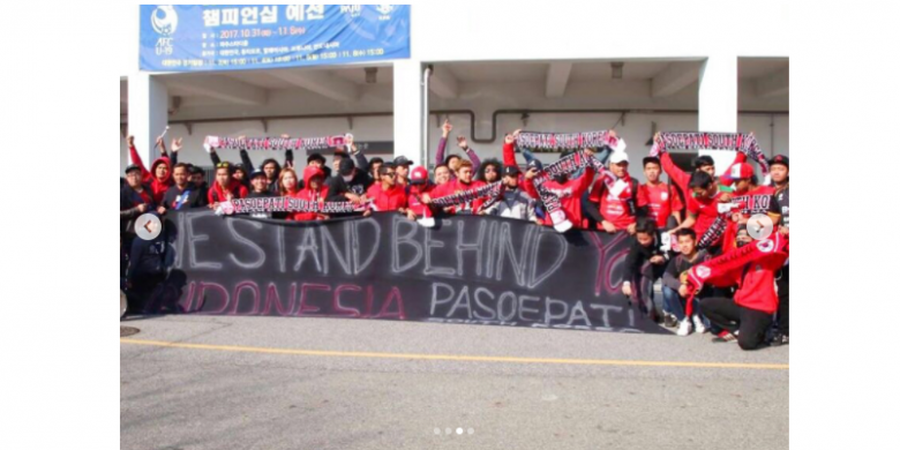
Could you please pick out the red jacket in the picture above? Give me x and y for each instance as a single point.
(414, 199)
(752, 267)
(311, 195)
(756, 288)
(617, 209)
(569, 194)
(454, 186)
(680, 178)
(390, 200)
(216, 194)
(158, 186)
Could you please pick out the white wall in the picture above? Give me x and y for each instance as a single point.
(628, 29)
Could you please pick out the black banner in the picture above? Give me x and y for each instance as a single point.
(468, 269)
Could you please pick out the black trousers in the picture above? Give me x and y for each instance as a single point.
(781, 280)
(751, 324)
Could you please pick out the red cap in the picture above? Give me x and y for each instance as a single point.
(418, 175)
(740, 171)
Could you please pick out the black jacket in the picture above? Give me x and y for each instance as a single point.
(679, 265)
(638, 255)
(129, 200)
(337, 187)
(174, 199)
(147, 258)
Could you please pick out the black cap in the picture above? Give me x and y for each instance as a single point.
(402, 161)
(132, 168)
(195, 170)
(256, 173)
(510, 171)
(536, 164)
(780, 159)
(240, 167)
(315, 157)
(703, 160)
(346, 166)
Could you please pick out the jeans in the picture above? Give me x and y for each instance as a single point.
(674, 303)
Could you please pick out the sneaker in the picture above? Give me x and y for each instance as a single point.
(670, 320)
(698, 324)
(725, 336)
(684, 328)
(778, 339)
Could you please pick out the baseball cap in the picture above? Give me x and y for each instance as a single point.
(703, 160)
(132, 168)
(195, 170)
(618, 157)
(510, 171)
(256, 173)
(402, 161)
(315, 157)
(780, 159)
(740, 171)
(419, 175)
(536, 164)
(346, 166)
(240, 167)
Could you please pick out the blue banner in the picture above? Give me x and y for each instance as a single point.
(182, 38)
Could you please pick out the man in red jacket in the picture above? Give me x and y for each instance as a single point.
(159, 177)
(617, 211)
(703, 206)
(387, 195)
(226, 188)
(662, 199)
(463, 183)
(314, 190)
(419, 193)
(748, 316)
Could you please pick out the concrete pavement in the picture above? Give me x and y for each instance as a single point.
(288, 383)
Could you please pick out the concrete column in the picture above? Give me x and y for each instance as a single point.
(148, 115)
(408, 110)
(717, 105)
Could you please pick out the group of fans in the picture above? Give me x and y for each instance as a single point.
(670, 225)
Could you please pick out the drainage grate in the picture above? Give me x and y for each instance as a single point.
(127, 331)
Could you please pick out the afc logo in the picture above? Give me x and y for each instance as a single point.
(164, 46)
(164, 21)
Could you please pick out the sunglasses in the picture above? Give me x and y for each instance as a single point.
(390, 174)
(222, 165)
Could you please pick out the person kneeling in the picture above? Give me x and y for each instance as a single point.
(749, 315)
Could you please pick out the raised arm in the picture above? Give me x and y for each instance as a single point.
(678, 176)
(509, 151)
(214, 157)
(442, 145)
(136, 159)
(462, 143)
(173, 158)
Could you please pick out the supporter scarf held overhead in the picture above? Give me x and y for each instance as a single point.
(745, 143)
(541, 141)
(569, 164)
(287, 204)
(275, 143)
